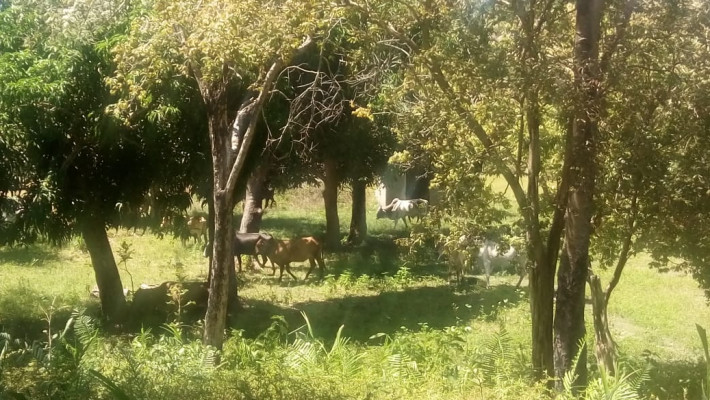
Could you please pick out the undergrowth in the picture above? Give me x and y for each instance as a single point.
(278, 364)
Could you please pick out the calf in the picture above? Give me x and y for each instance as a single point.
(245, 243)
(284, 252)
(158, 301)
(197, 228)
(268, 197)
(459, 256)
(403, 209)
(191, 227)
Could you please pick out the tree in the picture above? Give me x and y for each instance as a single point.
(329, 138)
(82, 170)
(224, 47)
(373, 143)
(456, 74)
(489, 80)
(649, 191)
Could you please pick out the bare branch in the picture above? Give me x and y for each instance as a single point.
(269, 82)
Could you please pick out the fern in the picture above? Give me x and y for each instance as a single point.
(116, 391)
(568, 381)
(301, 354)
(624, 386)
(348, 361)
(84, 328)
(497, 356)
(403, 365)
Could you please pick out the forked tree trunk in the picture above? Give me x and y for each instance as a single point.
(330, 198)
(226, 169)
(113, 302)
(605, 348)
(358, 219)
(574, 262)
(253, 199)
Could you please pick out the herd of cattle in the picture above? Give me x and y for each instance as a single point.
(463, 255)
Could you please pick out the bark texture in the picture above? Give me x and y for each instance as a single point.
(113, 302)
(605, 348)
(253, 201)
(331, 182)
(358, 219)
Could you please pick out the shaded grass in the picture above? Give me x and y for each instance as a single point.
(372, 312)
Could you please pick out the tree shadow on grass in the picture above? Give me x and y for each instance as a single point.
(35, 255)
(672, 379)
(292, 227)
(365, 316)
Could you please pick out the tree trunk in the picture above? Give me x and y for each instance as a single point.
(220, 274)
(574, 264)
(210, 235)
(253, 199)
(113, 302)
(330, 198)
(605, 348)
(222, 268)
(541, 306)
(358, 220)
(569, 315)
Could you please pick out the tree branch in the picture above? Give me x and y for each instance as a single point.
(457, 102)
(625, 248)
(269, 82)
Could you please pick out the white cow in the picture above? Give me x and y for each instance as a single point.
(490, 251)
(403, 209)
(464, 252)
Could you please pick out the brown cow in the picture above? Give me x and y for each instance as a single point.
(284, 252)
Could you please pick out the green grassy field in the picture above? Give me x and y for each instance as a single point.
(379, 304)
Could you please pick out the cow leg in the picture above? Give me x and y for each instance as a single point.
(405, 222)
(281, 274)
(238, 259)
(487, 269)
(321, 266)
(313, 265)
(288, 269)
(260, 263)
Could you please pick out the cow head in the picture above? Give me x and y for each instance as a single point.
(266, 245)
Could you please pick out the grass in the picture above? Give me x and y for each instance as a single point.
(375, 300)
